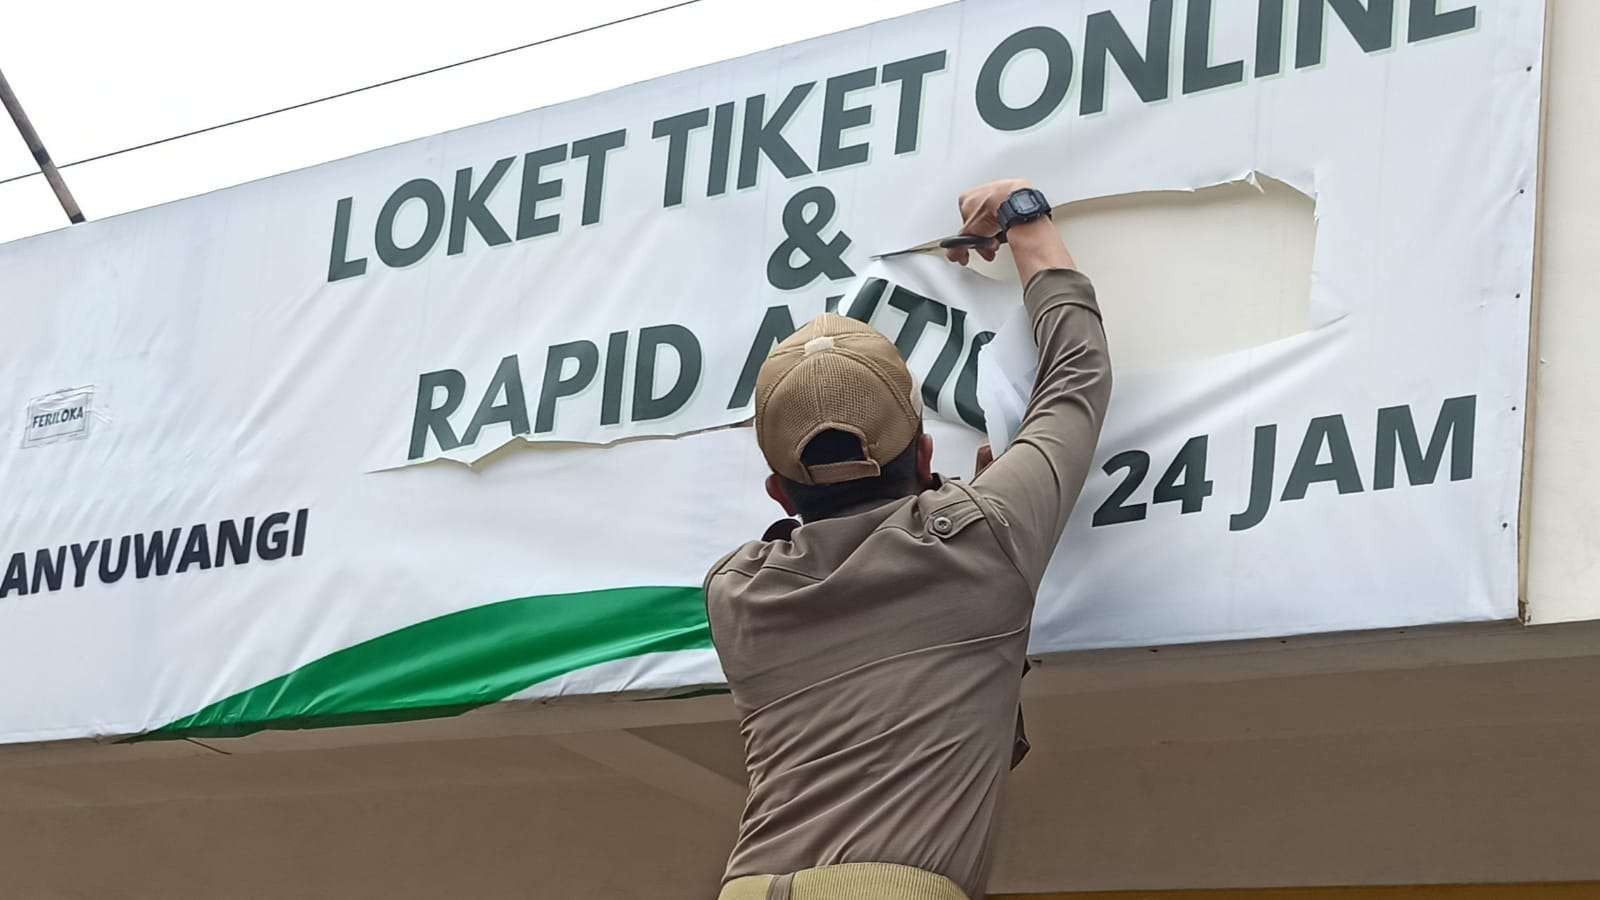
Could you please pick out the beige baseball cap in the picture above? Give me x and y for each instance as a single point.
(841, 374)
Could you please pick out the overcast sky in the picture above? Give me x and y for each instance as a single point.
(100, 75)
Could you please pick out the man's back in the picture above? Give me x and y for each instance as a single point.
(876, 652)
(876, 655)
(875, 660)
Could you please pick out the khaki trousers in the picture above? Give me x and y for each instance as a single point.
(850, 881)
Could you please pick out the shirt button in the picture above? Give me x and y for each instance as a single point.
(941, 525)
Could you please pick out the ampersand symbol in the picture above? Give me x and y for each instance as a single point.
(805, 235)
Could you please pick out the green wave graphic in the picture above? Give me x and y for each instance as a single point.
(460, 661)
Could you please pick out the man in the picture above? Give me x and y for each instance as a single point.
(876, 651)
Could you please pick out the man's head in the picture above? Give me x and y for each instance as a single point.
(839, 420)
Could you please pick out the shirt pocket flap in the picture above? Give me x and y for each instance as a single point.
(946, 520)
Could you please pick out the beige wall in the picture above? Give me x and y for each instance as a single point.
(1564, 504)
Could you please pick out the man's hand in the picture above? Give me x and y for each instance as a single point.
(1035, 245)
(979, 208)
(985, 459)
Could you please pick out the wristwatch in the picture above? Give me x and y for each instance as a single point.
(1024, 205)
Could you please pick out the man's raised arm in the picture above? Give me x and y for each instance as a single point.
(1036, 481)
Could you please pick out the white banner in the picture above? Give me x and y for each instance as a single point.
(446, 423)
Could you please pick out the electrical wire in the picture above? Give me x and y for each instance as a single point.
(377, 84)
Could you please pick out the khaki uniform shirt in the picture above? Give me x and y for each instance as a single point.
(876, 657)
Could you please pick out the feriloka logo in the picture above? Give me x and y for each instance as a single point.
(61, 416)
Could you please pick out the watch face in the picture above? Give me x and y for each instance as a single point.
(1026, 203)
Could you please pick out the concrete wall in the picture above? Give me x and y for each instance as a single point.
(1564, 504)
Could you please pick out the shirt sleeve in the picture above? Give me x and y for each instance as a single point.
(1035, 482)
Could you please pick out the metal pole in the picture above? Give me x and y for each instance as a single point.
(69, 205)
